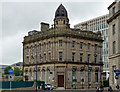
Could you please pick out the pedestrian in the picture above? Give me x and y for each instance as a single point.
(110, 89)
(97, 89)
(72, 86)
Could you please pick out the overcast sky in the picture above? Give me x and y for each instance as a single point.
(20, 17)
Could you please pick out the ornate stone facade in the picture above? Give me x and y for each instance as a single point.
(63, 55)
(114, 41)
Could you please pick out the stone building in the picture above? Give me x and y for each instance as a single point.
(114, 36)
(95, 25)
(63, 55)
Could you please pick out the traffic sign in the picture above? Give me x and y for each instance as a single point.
(10, 77)
(116, 77)
(10, 71)
(117, 72)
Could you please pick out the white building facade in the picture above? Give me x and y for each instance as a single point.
(95, 25)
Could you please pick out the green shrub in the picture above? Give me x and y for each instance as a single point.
(18, 79)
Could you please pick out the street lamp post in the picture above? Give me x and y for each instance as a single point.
(117, 78)
(88, 71)
(36, 71)
(36, 68)
(100, 68)
(65, 75)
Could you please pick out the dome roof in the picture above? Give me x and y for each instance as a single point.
(61, 11)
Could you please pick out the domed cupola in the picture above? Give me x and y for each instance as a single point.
(61, 18)
(61, 11)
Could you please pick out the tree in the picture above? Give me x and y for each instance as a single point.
(6, 70)
(21, 72)
(6, 76)
(17, 71)
(2, 75)
(18, 79)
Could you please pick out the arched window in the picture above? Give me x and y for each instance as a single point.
(74, 76)
(43, 75)
(31, 77)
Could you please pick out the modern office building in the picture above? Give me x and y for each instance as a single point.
(114, 37)
(95, 25)
(63, 56)
(17, 65)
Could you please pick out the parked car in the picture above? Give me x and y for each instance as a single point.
(48, 87)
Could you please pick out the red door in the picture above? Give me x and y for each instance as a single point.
(60, 80)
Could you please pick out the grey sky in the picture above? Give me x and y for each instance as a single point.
(20, 17)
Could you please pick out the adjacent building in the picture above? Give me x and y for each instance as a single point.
(63, 56)
(95, 25)
(17, 65)
(2, 67)
(114, 37)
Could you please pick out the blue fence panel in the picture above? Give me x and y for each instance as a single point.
(16, 84)
(22, 84)
(5, 85)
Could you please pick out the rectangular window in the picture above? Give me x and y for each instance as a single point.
(27, 50)
(60, 56)
(73, 44)
(95, 58)
(113, 29)
(96, 76)
(37, 47)
(88, 46)
(26, 71)
(114, 50)
(40, 57)
(60, 43)
(73, 57)
(113, 10)
(88, 58)
(40, 46)
(106, 45)
(45, 57)
(81, 45)
(49, 44)
(81, 57)
(44, 45)
(32, 59)
(104, 76)
(49, 57)
(27, 60)
(95, 47)
(33, 49)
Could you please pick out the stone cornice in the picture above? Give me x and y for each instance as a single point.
(111, 5)
(74, 33)
(113, 17)
(114, 56)
(65, 62)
